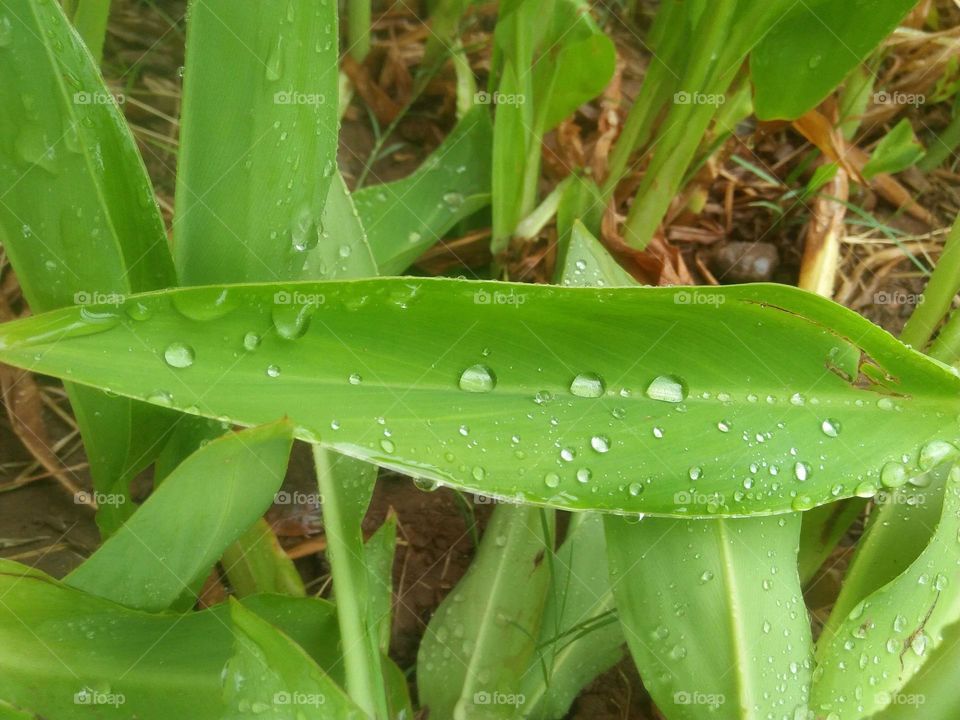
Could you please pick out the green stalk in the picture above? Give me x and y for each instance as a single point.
(90, 19)
(938, 295)
(943, 145)
(358, 28)
(344, 504)
(946, 348)
(685, 126)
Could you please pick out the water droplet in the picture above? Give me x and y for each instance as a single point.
(204, 304)
(919, 644)
(667, 388)
(934, 453)
(658, 433)
(179, 355)
(453, 200)
(600, 443)
(635, 489)
(355, 379)
(802, 502)
(584, 475)
(387, 445)
(706, 576)
(723, 426)
(798, 399)
(587, 385)
(160, 397)
(273, 371)
(478, 379)
(695, 473)
(865, 490)
(801, 471)
(139, 311)
(567, 455)
(292, 321)
(830, 427)
(551, 480)
(251, 341)
(893, 475)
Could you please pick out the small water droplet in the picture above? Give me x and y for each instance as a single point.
(387, 445)
(893, 475)
(600, 443)
(635, 489)
(584, 475)
(706, 576)
(273, 371)
(830, 427)
(801, 471)
(865, 489)
(551, 480)
(251, 341)
(667, 388)
(179, 355)
(695, 473)
(355, 379)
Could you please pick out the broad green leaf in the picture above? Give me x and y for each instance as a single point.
(815, 44)
(256, 563)
(343, 251)
(827, 391)
(580, 636)
(214, 495)
(60, 208)
(720, 629)
(281, 56)
(405, 217)
(590, 264)
(56, 642)
(270, 675)
(482, 638)
(888, 636)
(898, 150)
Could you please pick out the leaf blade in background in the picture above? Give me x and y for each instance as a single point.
(283, 62)
(405, 217)
(216, 493)
(60, 208)
(896, 151)
(833, 36)
(349, 346)
(738, 575)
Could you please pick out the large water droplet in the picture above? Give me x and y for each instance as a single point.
(273, 371)
(830, 427)
(801, 471)
(893, 475)
(179, 355)
(292, 320)
(600, 443)
(667, 388)
(251, 341)
(934, 453)
(587, 385)
(478, 379)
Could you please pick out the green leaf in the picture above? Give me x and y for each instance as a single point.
(579, 634)
(269, 673)
(590, 265)
(405, 217)
(720, 624)
(892, 632)
(898, 150)
(481, 639)
(56, 641)
(215, 495)
(821, 529)
(60, 208)
(281, 56)
(256, 563)
(379, 552)
(815, 44)
(827, 391)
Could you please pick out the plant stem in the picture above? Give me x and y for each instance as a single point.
(938, 295)
(358, 28)
(90, 19)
